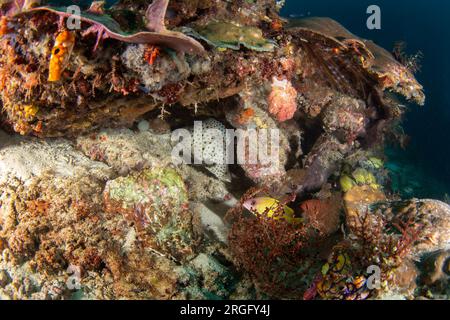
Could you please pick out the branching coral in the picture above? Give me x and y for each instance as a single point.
(381, 248)
(270, 249)
(389, 234)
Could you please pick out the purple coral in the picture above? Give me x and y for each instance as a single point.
(156, 13)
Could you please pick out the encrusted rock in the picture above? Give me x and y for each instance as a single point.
(436, 267)
(4, 278)
(125, 151)
(404, 279)
(114, 212)
(156, 202)
(357, 202)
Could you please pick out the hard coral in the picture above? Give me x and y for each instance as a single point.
(372, 60)
(156, 73)
(436, 273)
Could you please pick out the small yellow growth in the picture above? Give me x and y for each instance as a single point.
(325, 269)
(260, 124)
(376, 162)
(61, 52)
(362, 177)
(359, 282)
(27, 111)
(359, 177)
(341, 262)
(289, 49)
(347, 183)
(30, 111)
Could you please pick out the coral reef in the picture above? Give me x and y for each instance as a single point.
(91, 193)
(156, 202)
(55, 220)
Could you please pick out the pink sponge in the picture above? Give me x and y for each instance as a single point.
(282, 99)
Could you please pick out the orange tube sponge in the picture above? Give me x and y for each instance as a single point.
(64, 43)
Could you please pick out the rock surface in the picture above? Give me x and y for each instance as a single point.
(57, 229)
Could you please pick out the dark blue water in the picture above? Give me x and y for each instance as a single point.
(423, 25)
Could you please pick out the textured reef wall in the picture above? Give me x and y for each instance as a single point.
(90, 192)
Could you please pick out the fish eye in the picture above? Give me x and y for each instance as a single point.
(57, 51)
